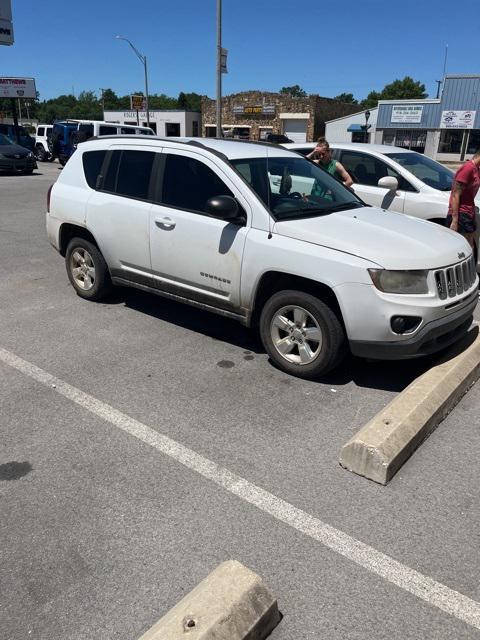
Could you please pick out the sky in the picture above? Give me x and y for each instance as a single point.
(326, 46)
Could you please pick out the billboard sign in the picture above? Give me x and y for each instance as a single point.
(407, 113)
(17, 88)
(457, 119)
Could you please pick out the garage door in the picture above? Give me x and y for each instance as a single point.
(296, 130)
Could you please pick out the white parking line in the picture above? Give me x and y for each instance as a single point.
(423, 587)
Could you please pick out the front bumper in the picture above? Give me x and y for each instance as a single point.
(17, 164)
(432, 337)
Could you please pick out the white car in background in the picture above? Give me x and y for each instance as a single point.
(394, 178)
(42, 152)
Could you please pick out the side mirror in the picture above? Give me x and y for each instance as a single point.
(388, 182)
(223, 207)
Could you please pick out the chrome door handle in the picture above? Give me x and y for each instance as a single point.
(166, 223)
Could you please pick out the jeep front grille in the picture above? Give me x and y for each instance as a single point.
(454, 281)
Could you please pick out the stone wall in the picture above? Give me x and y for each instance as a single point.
(320, 109)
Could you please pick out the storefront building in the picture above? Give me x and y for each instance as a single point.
(356, 127)
(252, 115)
(164, 123)
(446, 128)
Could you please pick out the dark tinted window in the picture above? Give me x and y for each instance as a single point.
(86, 128)
(92, 164)
(172, 129)
(127, 130)
(107, 131)
(41, 131)
(129, 173)
(188, 184)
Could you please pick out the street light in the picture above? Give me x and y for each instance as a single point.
(143, 60)
(367, 116)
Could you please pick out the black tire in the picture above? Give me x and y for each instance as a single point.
(330, 350)
(62, 159)
(40, 153)
(102, 284)
(27, 172)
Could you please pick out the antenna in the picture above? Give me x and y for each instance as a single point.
(445, 61)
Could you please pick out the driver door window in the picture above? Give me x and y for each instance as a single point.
(189, 183)
(366, 170)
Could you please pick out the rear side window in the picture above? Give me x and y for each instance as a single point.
(92, 165)
(127, 130)
(107, 131)
(188, 184)
(41, 131)
(86, 128)
(129, 174)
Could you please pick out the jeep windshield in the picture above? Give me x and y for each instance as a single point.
(293, 187)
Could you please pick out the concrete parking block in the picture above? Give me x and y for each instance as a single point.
(231, 603)
(380, 448)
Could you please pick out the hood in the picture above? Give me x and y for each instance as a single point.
(391, 240)
(13, 149)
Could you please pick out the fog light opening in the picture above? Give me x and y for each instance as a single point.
(404, 324)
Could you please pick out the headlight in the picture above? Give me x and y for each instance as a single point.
(406, 282)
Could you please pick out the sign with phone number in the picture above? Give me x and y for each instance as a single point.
(457, 119)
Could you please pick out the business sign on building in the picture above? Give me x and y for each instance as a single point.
(6, 25)
(407, 113)
(457, 119)
(17, 88)
(266, 109)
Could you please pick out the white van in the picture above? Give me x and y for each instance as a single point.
(95, 128)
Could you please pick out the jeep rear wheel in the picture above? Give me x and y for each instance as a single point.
(87, 270)
(301, 334)
(40, 153)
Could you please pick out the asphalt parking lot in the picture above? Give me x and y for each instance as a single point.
(104, 530)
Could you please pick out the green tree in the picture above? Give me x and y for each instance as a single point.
(371, 100)
(295, 91)
(405, 89)
(346, 98)
(182, 101)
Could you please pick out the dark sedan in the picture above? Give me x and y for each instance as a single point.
(13, 157)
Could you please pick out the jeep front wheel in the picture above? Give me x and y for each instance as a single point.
(87, 270)
(301, 334)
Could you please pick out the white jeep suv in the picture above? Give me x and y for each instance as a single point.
(257, 233)
(42, 152)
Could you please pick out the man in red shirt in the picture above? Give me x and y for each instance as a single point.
(461, 208)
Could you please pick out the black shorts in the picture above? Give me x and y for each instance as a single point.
(466, 223)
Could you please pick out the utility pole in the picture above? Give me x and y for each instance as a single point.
(103, 103)
(219, 69)
(439, 84)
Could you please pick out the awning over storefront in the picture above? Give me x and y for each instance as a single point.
(358, 127)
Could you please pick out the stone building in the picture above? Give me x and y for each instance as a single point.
(252, 115)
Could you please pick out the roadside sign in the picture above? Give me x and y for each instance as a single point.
(223, 61)
(137, 103)
(6, 25)
(17, 88)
